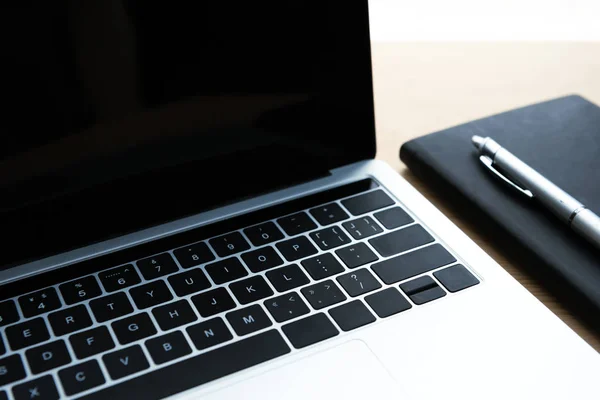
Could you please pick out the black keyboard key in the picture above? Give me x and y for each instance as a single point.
(263, 234)
(195, 254)
(226, 270)
(133, 328)
(213, 302)
(2, 347)
(111, 307)
(11, 369)
(393, 218)
(168, 347)
(329, 214)
(3, 395)
(229, 244)
(387, 302)
(401, 240)
(92, 342)
(411, 264)
(286, 307)
(27, 333)
(323, 294)
(248, 320)
(262, 259)
(358, 282)
(296, 223)
(70, 320)
(81, 377)
(8, 313)
(322, 266)
(456, 278)
(157, 266)
(362, 228)
(287, 278)
(125, 362)
(251, 289)
(119, 278)
(310, 330)
(422, 290)
(174, 314)
(367, 202)
(42, 388)
(209, 333)
(151, 294)
(81, 289)
(356, 255)
(352, 315)
(296, 248)
(188, 282)
(39, 302)
(330, 238)
(48, 356)
(198, 370)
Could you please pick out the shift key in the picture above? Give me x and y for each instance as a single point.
(411, 264)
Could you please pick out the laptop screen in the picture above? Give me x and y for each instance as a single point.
(120, 115)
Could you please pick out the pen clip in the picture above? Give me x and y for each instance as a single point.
(489, 165)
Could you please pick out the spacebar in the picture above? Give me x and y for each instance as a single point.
(198, 370)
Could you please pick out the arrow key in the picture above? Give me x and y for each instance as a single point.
(286, 307)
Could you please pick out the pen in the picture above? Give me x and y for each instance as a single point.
(529, 182)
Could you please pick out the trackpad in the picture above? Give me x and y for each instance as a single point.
(349, 371)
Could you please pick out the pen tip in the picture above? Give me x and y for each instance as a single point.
(478, 142)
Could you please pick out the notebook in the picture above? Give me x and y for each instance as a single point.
(560, 138)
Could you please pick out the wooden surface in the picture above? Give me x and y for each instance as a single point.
(424, 87)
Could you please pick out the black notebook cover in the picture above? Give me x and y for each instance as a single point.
(561, 140)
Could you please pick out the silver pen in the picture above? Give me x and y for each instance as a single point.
(529, 182)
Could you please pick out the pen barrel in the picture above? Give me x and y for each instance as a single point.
(559, 202)
(587, 224)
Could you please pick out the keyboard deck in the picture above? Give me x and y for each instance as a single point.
(176, 319)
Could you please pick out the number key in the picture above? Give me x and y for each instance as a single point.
(8, 313)
(193, 255)
(80, 290)
(39, 302)
(229, 244)
(157, 266)
(264, 233)
(119, 278)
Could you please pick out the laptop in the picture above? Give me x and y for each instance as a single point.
(191, 209)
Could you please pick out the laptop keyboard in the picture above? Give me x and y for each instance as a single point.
(171, 321)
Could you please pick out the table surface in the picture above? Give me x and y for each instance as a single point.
(425, 87)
